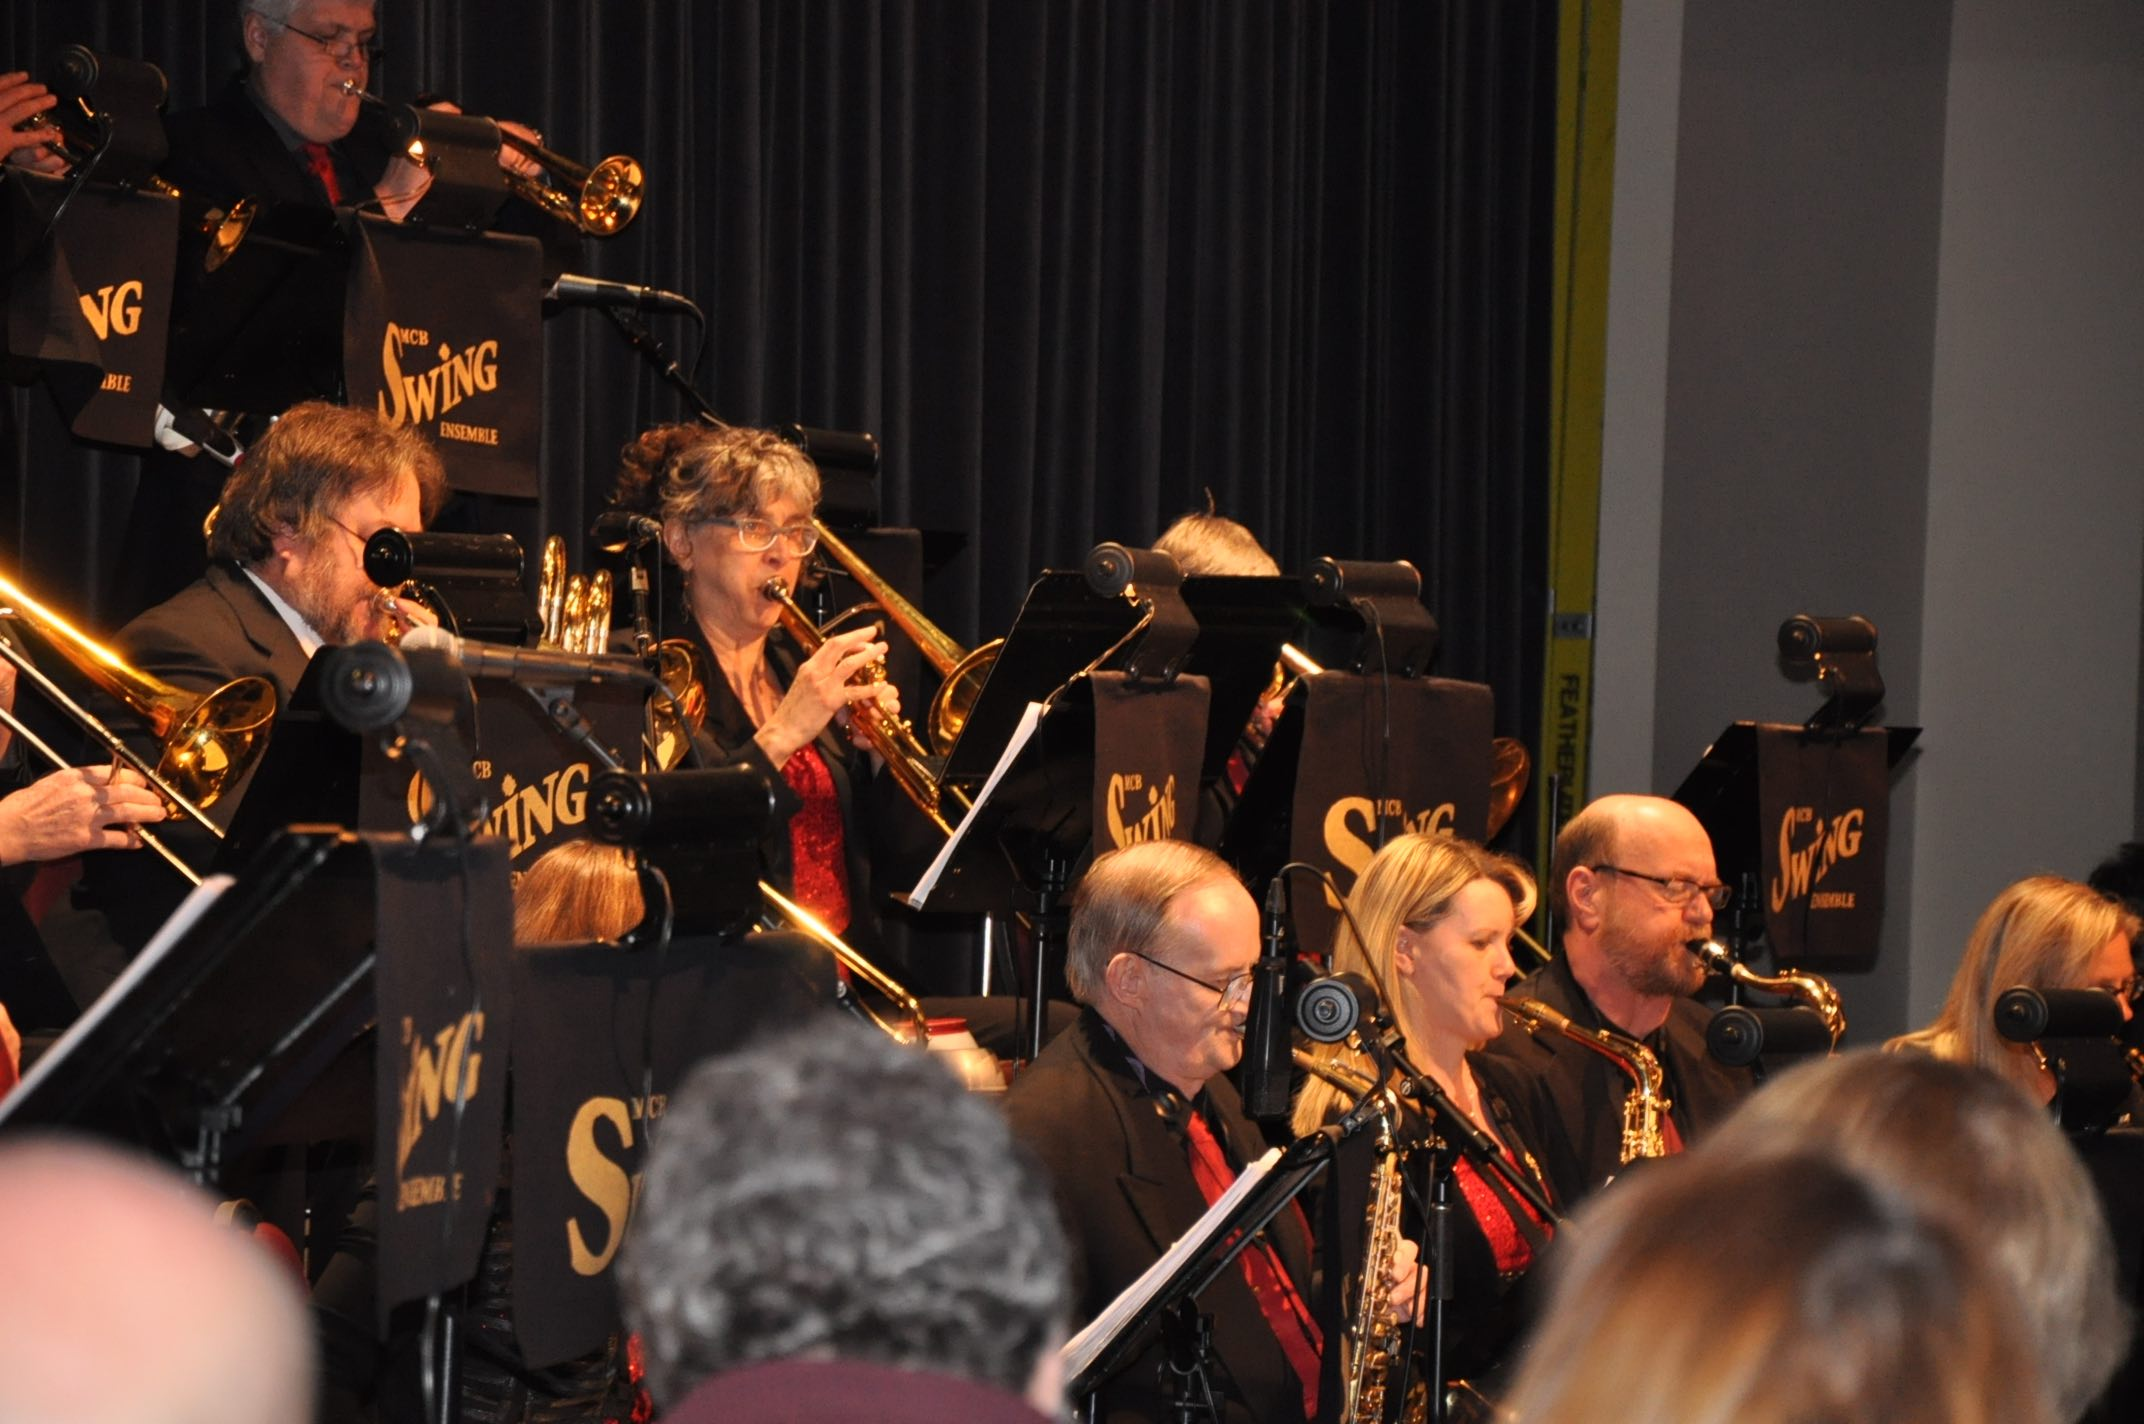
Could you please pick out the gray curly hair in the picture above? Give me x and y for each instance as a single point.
(828, 1194)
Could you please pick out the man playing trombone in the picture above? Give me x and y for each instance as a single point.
(286, 578)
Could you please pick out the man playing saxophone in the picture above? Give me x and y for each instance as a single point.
(1634, 881)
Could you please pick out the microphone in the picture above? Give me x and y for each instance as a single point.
(1266, 1060)
(2023, 1015)
(617, 530)
(572, 291)
(542, 667)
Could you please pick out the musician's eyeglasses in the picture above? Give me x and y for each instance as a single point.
(2126, 989)
(756, 536)
(1675, 891)
(1236, 990)
(340, 47)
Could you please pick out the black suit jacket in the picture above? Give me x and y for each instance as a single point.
(216, 629)
(1123, 1184)
(227, 150)
(1569, 1099)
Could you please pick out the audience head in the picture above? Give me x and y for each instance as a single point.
(1631, 886)
(1162, 940)
(1711, 1289)
(578, 890)
(2043, 932)
(127, 1303)
(1965, 1148)
(828, 1194)
(298, 509)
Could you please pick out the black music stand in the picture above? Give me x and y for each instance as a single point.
(218, 1034)
(1029, 835)
(1222, 1239)
(1242, 624)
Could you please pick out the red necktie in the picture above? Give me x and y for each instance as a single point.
(1299, 1336)
(321, 164)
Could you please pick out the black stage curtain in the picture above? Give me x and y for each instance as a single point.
(1073, 261)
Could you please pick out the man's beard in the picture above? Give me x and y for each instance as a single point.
(1660, 967)
(313, 596)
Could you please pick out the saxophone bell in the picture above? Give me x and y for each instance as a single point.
(1810, 990)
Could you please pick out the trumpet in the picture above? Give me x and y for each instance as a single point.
(1811, 990)
(963, 672)
(225, 229)
(207, 741)
(599, 199)
(890, 736)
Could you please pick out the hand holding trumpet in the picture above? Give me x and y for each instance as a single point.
(821, 690)
(29, 141)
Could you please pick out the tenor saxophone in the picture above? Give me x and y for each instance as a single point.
(1812, 990)
(1645, 1107)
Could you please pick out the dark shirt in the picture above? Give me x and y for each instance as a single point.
(1568, 1100)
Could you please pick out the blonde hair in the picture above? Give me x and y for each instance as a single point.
(2041, 933)
(1210, 543)
(1411, 883)
(1967, 1148)
(1720, 1290)
(581, 890)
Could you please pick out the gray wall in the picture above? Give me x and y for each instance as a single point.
(1901, 378)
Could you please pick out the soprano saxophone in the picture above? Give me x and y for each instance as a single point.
(1645, 1107)
(1373, 1336)
(1811, 990)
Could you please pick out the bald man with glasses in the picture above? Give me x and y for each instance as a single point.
(1633, 882)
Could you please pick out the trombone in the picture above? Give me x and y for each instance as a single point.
(599, 199)
(208, 741)
(963, 672)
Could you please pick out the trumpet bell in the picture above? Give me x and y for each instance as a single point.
(1509, 770)
(955, 698)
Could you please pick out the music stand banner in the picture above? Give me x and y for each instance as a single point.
(92, 305)
(443, 333)
(1149, 739)
(602, 1035)
(1356, 786)
(1824, 814)
(444, 976)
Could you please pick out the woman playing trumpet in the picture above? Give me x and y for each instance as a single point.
(736, 508)
(1436, 916)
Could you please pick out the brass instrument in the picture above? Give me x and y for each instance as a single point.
(890, 736)
(599, 200)
(963, 672)
(1372, 1336)
(1509, 764)
(208, 741)
(1812, 990)
(574, 609)
(1645, 1107)
(919, 1024)
(225, 230)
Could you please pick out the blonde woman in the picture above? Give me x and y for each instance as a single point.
(1437, 915)
(2042, 933)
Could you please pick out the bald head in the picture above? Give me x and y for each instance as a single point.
(124, 1301)
(1628, 888)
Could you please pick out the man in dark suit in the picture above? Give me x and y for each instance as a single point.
(286, 578)
(1138, 1127)
(1634, 882)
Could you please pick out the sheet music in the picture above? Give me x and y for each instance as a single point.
(190, 910)
(1082, 1349)
(1021, 735)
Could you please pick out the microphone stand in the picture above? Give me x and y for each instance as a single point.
(1455, 1135)
(665, 365)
